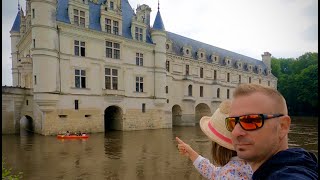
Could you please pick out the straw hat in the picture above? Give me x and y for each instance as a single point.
(214, 127)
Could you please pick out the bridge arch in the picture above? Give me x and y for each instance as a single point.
(201, 109)
(26, 123)
(176, 115)
(113, 116)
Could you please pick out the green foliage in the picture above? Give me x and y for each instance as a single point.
(298, 82)
(7, 173)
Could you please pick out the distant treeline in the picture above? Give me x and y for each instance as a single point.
(298, 83)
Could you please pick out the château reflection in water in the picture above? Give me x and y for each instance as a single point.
(133, 155)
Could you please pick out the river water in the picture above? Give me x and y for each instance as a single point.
(133, 155)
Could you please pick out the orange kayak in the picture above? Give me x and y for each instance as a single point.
(72, 137)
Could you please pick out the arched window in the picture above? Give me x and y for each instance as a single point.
(190, 90)
(218, 93)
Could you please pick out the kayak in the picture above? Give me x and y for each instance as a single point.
(72, 137)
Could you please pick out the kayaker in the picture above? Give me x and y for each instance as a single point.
(67, 133)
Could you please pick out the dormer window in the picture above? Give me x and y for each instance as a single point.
(79, 18)
(214, 58)
(167, 46)
(201, 55)
(227, 61)
(187, 51)
(111, 5)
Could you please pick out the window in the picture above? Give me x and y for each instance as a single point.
(187, 69)
(218, 93)
(138, 33)
(27, 102)
(34, 43)
(33, 13)
(168, 66)
(259, 81)
(190, 90)
(228, 77)
(167, 46)
(268, 83)
(139, 59)
(239, 78)
(249, 79)
(108, 25)
(79, 48)
(116, 27)
(187, 51)
(112, 50)
(139, 84)
(228, 93)
(79, 19)
(35, 79)
(201, 91)
(143, 107)
(201, 72)
(215, 74)
(111, 78)
(76, 104)
(80, 78)
(167, 89)
(111, 5)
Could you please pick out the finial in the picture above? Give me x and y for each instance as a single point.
(158, 5)
(18, 5)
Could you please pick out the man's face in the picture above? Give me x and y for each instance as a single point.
(260, 144)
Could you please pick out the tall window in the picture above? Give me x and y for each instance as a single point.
(215, 74)
(33, 13)
(111, 78)
(201, 72)
(268, 83)
(138, 34)
(76, 104)
(249, 79)
(259, 81)
(143, 107)
(187, 69)
(79, 48)
(80, 78)
(35, 79)
(190, 90)
(79, 18)
(112, 50)
(167, 89)
(139, 84)
(111, 5)
(108, 25)
(218, 93)
(139, 59)
(116, 27)
(239, 78)
(201, 91)
(168, 65)
(228, 93)
(228, 77)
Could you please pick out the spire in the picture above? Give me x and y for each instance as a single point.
(158, 23)
(18, 5)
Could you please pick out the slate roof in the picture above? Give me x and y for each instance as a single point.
(16, 24)
(158, 23)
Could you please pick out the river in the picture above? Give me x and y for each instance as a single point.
(133, 155)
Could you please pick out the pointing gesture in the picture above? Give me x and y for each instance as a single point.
(186, 150)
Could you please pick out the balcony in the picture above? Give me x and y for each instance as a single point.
(113, 92)
(188, 98)
(25, 60)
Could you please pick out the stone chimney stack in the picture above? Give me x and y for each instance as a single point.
(266, 59)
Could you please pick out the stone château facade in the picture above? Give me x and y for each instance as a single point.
(94, 65)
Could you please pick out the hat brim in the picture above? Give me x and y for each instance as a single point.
(204, 125)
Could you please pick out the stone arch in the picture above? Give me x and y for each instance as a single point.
(176, 115)
(113, 116)
(27, 123)
(201, 109)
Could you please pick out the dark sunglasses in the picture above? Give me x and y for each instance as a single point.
(249, 122)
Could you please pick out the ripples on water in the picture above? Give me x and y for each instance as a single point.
(134, 155)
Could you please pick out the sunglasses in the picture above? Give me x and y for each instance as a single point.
(249, 122)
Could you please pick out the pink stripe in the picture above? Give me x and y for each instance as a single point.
(214, 131)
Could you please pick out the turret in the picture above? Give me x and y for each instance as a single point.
(15, 38)
(44, 46)
(159, 38)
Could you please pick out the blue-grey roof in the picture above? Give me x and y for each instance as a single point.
(179, 41)
(16, 24)
(62, 11)
(158, 23)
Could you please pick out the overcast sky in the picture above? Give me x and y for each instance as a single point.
(285, 28)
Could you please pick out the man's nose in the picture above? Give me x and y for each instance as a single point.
(238, 131)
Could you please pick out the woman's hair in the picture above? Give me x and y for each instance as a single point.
(221, 155)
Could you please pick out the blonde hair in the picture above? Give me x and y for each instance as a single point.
(221, 155)
(247, 89)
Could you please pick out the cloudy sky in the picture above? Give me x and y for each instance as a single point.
(285, 28)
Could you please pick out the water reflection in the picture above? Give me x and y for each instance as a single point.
(133, 155)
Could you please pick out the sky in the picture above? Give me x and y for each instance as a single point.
(285, 28)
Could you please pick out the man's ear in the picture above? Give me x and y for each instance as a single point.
(285, 122)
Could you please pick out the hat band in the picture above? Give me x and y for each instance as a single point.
(215, 132)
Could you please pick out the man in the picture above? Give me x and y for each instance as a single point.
(260, 124)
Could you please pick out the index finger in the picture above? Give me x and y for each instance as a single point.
(179, 141)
